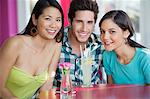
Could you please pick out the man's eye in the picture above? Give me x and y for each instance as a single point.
(58, 20)
(47, 19)
(90, 22)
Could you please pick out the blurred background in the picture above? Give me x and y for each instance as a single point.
(15, 14)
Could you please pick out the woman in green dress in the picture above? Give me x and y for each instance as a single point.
(28, 61)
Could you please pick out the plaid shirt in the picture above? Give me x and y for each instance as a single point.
(75, 70)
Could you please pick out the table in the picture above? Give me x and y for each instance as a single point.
(103, 92)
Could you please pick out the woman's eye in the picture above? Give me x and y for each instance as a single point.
(112, 32)
(48, 19)
(102, 32)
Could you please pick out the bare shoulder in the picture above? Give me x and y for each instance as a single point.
(12, 43)
(9, 52)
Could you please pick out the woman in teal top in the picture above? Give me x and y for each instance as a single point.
(28, 61)
(125, 61)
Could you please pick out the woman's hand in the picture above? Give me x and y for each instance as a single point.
(110, 80)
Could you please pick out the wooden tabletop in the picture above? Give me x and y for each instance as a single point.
(102, 92)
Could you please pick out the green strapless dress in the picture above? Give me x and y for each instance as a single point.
(23, 85)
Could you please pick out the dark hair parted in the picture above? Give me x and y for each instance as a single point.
(38, 10)
(79, 5)
(120, 18)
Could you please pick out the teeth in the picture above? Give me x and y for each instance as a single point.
(108, 43)
(50, 30)
(83, 34)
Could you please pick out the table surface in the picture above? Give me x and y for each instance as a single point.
(102, 92)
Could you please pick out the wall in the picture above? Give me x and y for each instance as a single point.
(145, 23)
(23, 14)
(65, 5)
(8, 19)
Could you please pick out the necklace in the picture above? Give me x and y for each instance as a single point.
(34, 48)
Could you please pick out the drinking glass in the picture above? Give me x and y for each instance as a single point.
(86, 66)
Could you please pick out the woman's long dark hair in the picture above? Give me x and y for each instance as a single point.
(123, 21)
(38, 10)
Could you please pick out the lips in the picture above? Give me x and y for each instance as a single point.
(51, 32)
(107, 43)
(83, 34)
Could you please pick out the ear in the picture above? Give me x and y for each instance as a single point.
(126, 33)
(69, 21)
(34, 20)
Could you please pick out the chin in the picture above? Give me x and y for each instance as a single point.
(82, 40)
(51, 37)
(108, 49)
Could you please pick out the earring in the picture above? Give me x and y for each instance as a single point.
(33, 31)
(126, 41)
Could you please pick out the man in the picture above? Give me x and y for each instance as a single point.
(83, 16)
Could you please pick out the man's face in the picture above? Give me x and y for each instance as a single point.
(83, 25)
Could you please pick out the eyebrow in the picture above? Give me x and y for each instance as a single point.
(80, 20)
(109, 29)
(51, 16)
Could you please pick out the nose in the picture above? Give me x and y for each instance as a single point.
(84, 27)
(106, 35)
(53, 24)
